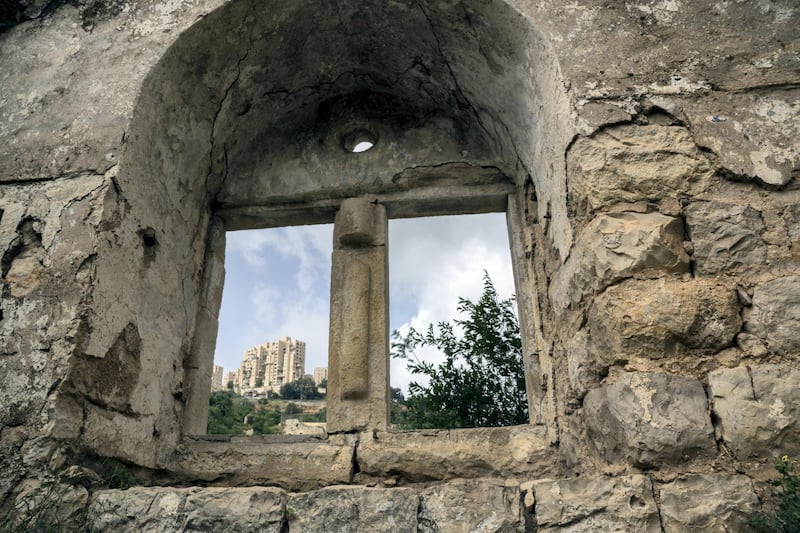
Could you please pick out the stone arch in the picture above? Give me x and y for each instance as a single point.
(245, 115)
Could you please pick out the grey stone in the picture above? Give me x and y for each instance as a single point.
(629, 163)
(353, 510)
(171, 510)
(708, 503)
(595, 503)
(753, 136)
(725, 236)
(664, 317)
(775, 314)
(791, 216)
(649, 419)
(470, 506)
(757, 409)
(751, 345)
(615, 247)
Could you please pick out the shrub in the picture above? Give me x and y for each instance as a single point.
(784, 516)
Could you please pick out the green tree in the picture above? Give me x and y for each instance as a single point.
(481, 382)
(301, 389)
(227, 412)
(292, 409)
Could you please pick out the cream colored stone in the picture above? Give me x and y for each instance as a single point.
(614, 247)
(24, 275)
(662, 318)
(358, 360)
(445, 454)
(630, 163)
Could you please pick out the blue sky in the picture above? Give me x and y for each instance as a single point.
(277, 281)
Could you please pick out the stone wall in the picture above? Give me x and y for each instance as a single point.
(646, 153)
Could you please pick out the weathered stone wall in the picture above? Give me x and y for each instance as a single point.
(651, 153)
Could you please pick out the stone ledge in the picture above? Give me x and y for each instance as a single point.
(457, 453)
(295, 462)
(303, 462)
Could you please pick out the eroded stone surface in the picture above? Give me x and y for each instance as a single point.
(445, 454)
(358, 376)
(598, 503)
(708, 502)
(353, 510)
(294, 462)
(616, 246)
(467, 506)
(757, 409)
(775, 314)
(630, 163)
(170, 510)
(649, 419)
(725, 236)
(754, 136)
(662, 318)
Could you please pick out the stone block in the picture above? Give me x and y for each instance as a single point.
(120, 435)
(775, 314)
(168, 510)
(295, 462)
(649, 419)
(358, 375)
(614, 247)
(480, 505)
(664, 317)
(725, 236)
(597, 503)
(707, 503)
(353, 509)
(629, 163)
(757, 409)
(424, 455)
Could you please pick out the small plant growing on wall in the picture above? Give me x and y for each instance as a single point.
(784, 516)
(48, 508)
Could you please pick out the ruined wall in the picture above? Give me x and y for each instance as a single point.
(651, 149)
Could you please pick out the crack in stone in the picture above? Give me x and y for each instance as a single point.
(658, 507)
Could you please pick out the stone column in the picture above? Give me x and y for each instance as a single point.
(358, 360)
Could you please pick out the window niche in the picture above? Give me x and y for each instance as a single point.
(358, 381)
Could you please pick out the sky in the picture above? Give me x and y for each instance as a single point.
(277, 282)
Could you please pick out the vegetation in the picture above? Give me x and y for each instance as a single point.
(230, 414)
(481, 382)
(47, 509)
(301, 389)
(785, 514)
(319, 416)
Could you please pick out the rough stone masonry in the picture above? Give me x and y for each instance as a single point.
(645, 152)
